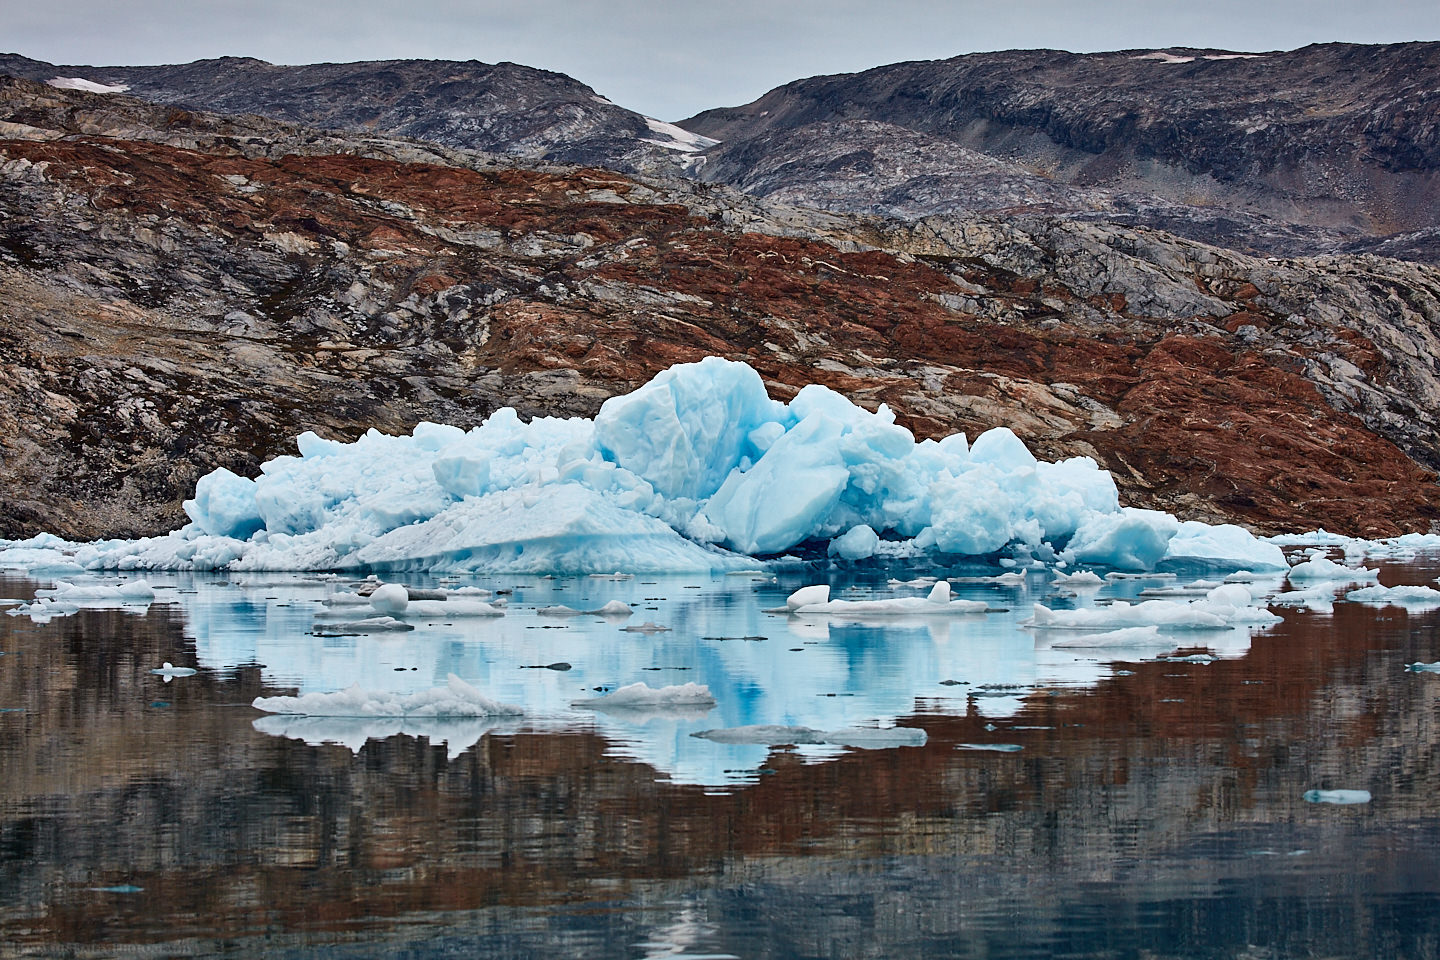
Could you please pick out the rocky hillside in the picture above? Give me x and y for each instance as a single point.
(1330, 147)
(180, 291)
(502, 108)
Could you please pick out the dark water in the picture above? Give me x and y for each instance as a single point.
(1154, 809)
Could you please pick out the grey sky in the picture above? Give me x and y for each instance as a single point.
(672, 58)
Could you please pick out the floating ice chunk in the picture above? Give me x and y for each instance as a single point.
(991, 747)
(390, 599)
(455, 699)
(1337, 796)
(1124, 637)
(858, 543)
(169, 671)
(1014, 579)
(1423, 667)
(1223, 606)
(938, 603)
(94, 594)
(817, 594)
(642, 696)
(647, 627)
(614, 609)
(44, 610)
(1404, 596)
(1319, 567)
(1080, 578)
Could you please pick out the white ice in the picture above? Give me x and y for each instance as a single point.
(1404, 596)
(1224, 606)
(677, 138)
(805, 602)
(1320, 567)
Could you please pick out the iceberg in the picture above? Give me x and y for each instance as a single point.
(699, 470)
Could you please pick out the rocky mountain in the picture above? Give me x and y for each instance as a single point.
(1328, 148)
(180, 291)
(501, 108)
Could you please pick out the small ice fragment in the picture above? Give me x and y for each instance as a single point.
(390, 599)
(808, 596)
(646, 627)
(1080, 578)
(168, 670)
(992, 747)
(1423, 667)
(1337, 796)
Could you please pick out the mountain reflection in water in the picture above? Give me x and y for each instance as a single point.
(1154, 807)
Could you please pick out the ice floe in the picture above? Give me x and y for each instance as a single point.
(1403, 596)
(814, 601)
(1227, 605)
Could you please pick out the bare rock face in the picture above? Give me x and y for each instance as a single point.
(502, 108)
(1322, 149)
(184, 292)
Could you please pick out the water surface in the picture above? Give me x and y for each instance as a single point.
(1072, 803)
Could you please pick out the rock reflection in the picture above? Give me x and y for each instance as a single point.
(1162, 811)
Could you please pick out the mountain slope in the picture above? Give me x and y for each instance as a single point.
(184, 292)
(1297, 151)
(502, 108)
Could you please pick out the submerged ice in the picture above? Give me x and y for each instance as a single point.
(698, 470)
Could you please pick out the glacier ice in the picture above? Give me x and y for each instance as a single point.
(695, 471)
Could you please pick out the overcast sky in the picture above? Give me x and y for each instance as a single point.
(673, 58)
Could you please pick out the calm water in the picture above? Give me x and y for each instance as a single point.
(1068, 803)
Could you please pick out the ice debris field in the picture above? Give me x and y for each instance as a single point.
(699, 470)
